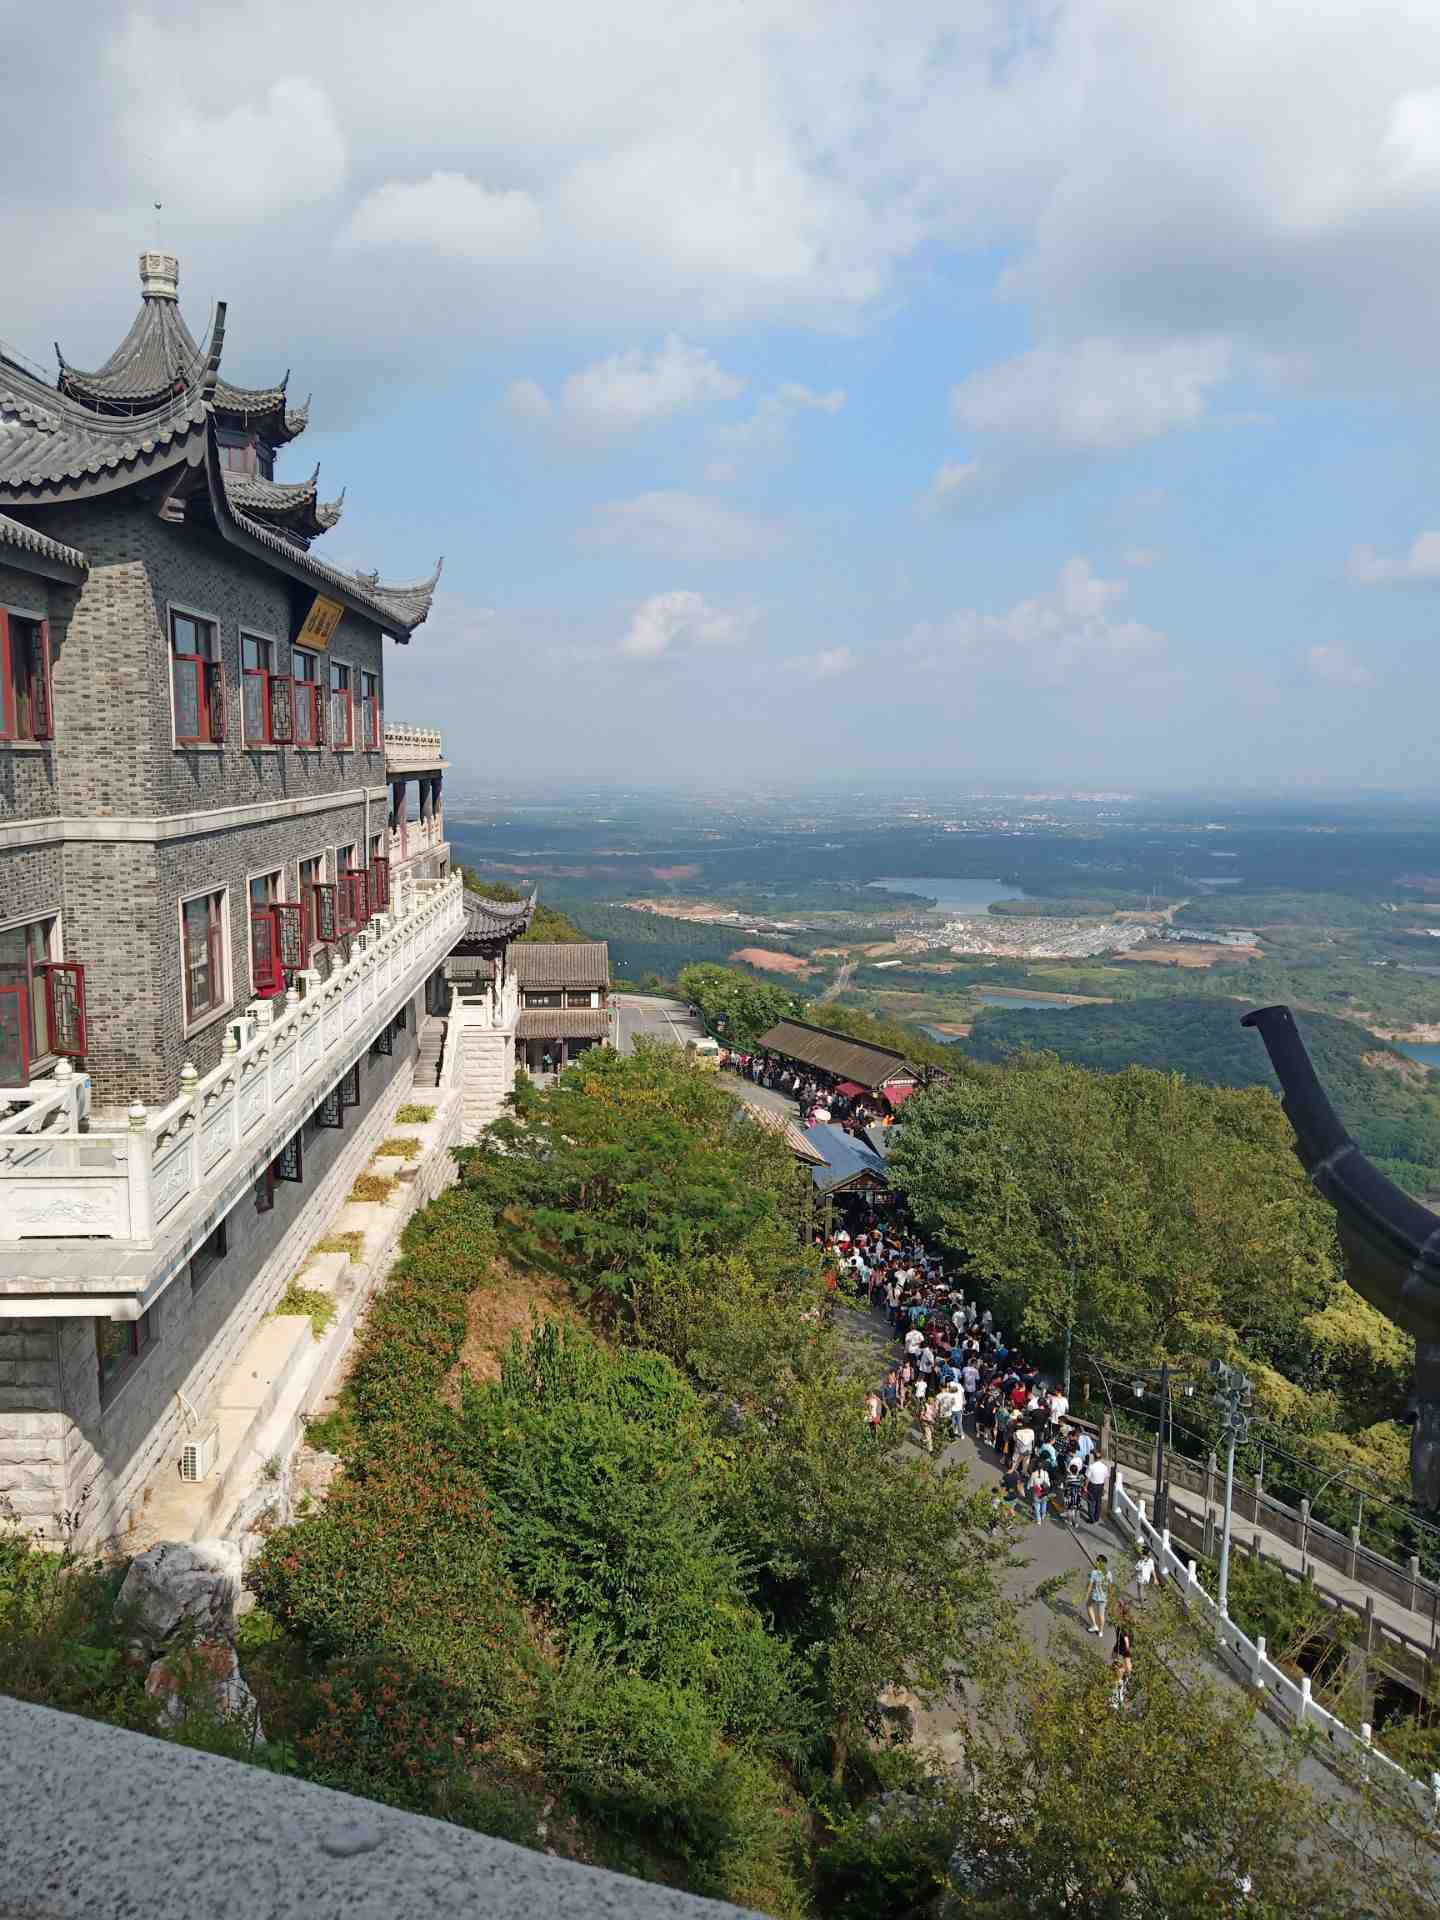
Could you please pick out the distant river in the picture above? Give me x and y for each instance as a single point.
(954, 896)
(1429, 1051)
(990, 999)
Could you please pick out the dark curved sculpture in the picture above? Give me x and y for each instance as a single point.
(1391, 1243)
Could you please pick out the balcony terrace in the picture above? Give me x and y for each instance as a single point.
(412, 750)
(97, 1222)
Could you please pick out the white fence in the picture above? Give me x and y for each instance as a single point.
(136, 1184)
(1293, 1697)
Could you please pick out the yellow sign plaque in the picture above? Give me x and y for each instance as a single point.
(320, 622)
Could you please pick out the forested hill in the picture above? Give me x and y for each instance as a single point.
(1390, 1104)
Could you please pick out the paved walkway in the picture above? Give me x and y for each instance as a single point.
(652, 1016)
(1059, 1546)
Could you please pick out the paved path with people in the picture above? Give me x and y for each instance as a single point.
(1059, 1546)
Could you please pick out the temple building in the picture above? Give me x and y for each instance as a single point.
(225, 895)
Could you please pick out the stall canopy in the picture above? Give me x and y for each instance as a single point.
(897, 1096)
(857, 1063)
(850, 1089)
(851, 1165)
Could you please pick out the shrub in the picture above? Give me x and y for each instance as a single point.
(320, 1306)
(399, 1146)
(351, 1243)
(402, 1563)
(414, 1116)
(373, 1186)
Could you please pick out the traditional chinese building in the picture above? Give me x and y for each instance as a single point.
(221, 928)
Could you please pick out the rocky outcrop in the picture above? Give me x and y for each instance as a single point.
(192, 1586)
(206, 1676)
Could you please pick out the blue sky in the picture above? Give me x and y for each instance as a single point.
(1003, 391)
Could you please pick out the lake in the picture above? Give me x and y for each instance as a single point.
(954, 896)
(1428, 1052)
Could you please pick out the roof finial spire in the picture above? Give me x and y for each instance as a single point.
(159, 275)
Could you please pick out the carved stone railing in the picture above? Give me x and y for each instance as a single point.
(411, 749)
(417, 837)
(222, 1130)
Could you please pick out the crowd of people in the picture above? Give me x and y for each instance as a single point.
(817, 1095)
(953, 1369)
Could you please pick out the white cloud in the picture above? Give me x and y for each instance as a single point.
(828, 664)
(279, 150)
(1077, 628)
(684, 525)
(1420, 562)
(766, 434)
(628, 392)
(1335, 664)
(666, 623)
(449, 214)
(1040, 413)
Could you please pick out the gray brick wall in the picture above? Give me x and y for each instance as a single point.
(114, 757)
(28, 777)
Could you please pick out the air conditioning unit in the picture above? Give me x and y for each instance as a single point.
(197, 1456)
(243, 1030)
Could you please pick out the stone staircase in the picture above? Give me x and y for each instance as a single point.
(432, 1047)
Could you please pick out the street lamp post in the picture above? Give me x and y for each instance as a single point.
(1235, 1394)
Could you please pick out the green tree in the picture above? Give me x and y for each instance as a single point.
(733, 1005)
(638, 1159)
(882, 1569)
(1168, 1807)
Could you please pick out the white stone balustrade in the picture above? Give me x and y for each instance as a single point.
(411, 749)
(223, 1129)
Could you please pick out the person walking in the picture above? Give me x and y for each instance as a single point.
(1097, 1476)
(874, 1412)
(1040, 1493)
(926, 1416)
(1097, 1594)
(1144, 1574)
(1122, 1661)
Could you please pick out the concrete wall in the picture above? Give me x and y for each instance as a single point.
(60, 1450)
(487, 1070)
(223, 1837)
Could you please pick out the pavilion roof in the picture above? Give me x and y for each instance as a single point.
(57, 446)
(294, 505)
(847, 1161)
(837, 1054)
(488, 920)
(538, 964)
(160, 358)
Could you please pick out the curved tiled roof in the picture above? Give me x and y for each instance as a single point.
(159, 358)
(40, 546)
(45, 447)
(487, 919)
(294, 504)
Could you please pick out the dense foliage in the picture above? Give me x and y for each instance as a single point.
(735, 1007)
(1390, 1104)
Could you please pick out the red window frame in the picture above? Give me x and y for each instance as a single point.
(203, 674)
(380, 884)
(65, 1007)
(265, 974)
(344, 692)
(325, 913)
(370, 709)
(215, 954)
(309, 699)
(36, 676)
(351, 900)
(273, 693)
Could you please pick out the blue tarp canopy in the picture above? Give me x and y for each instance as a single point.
(847, 1159)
